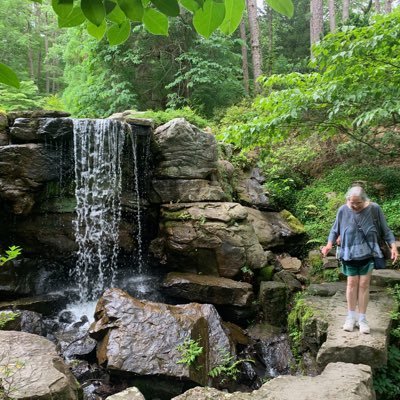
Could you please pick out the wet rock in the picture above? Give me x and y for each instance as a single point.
(273, 298)
(141, 337)
(208, 238)
(186, 191)
(208, 289)
(37, 370)
(74, 343)
(45, 305)
(184, 151)
(24, 170)
(66, 317)
(339, 381)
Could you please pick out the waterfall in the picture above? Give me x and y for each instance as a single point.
(97, 151)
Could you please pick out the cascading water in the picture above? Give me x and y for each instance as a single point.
(98, 146)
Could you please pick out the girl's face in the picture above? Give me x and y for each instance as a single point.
(356, 203)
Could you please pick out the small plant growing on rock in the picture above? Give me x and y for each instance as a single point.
(11, 253)
(190, 349)
(228, 369)
(7, 316)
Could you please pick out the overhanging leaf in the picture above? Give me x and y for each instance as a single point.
(190, 5)
(116, 15)
(233, 15)
(284, 7)
(207, 19)
(133, 9)
(74, 18)
(117, 34)
(94, 11)
(8, 76)
(109, 6)
(96, 31)
(62, 7)
(155, 22)
(167, 7)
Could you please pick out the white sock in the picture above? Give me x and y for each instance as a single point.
(352, 314)
(362, 317)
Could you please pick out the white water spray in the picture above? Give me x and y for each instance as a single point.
(97, 149)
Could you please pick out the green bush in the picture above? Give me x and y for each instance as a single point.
(161, 117)
(316, 205)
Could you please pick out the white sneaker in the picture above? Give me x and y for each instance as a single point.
(364, 327)
(349, 324)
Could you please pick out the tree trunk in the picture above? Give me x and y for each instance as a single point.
(378, 6)
(388, 6)
(255, 42)
(270, 40)
(332, 16)
(245, 62)
(345, 10)
(316, 22)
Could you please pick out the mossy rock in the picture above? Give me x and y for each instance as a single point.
(295, 225)
(266, 273)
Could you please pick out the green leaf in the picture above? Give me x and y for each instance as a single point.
(8, 76)
(284, 7)
(233, 15)
(190, 5)
(75, 18)
(167, 7)
(62, 7)
(97, 31)
(109, 6)
(133, 9)
(155, 22)
(116, 15)
(94, 11)
(117, 34)
(207, 19)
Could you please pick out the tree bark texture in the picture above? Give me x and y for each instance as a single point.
(316, 22)
(388, 6)
(378, 6)
(255, 42)
(245, 62)
(332, 16)
(345, 10)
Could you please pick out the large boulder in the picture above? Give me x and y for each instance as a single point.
(208, 238)
(208, 289)
(274, 229)
(184, 152)
(30, 368)
(339, 381)
(142, 337)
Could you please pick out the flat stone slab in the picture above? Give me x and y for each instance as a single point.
(339, 381)
(385, 277)
(354, 347)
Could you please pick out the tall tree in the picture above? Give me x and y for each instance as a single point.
(378, 6)
(332, 16)
(255, 42)
(345, 10)
(388, 6)
(245, 61)
(316, 21)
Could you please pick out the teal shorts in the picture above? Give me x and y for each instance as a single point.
(355, 268)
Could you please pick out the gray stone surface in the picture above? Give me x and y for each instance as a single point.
(186, 191)
(385, 277)
(184, 151)
(208, 238)
(131, 393)
(208, 289)
(339, 381)
(354, 347)
(273, 297)
(141, 337)
(36, 370)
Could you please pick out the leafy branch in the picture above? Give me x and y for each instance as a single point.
(11, 253)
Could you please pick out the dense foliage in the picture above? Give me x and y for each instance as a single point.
(352, 91)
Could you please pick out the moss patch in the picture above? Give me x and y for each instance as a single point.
(294, 224)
